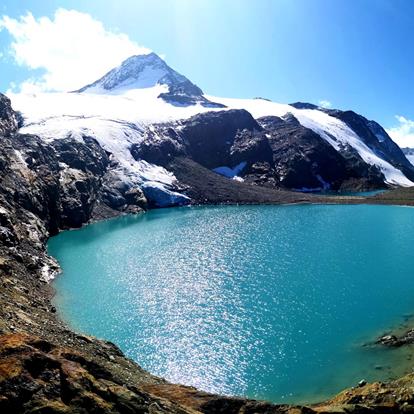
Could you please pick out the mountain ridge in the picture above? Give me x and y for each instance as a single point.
(145, 114)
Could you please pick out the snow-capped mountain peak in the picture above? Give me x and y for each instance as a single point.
(148, 71)
(137, 72)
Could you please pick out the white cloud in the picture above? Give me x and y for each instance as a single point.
(72, 48)
(325, 103)
(403, 133)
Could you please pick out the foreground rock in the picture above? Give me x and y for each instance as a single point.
(38, 376)
(392, 340)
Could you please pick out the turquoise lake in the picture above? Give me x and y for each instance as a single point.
(269, 302)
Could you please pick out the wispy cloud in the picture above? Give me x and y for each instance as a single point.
(72, 48)
(325, 103)
(403, 133)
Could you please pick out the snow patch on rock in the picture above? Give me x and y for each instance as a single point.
(231, 172)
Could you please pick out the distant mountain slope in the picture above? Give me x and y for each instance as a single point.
(333, 130)
(377, 139)
(409, 153)
(371, 133)
(144, 115)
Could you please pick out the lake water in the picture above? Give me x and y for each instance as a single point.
(270, 302)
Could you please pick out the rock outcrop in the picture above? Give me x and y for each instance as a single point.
(275, 152)
(376, 138)
(394, 340)
(8, 118)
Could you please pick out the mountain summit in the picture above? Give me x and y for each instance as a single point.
(147, 71)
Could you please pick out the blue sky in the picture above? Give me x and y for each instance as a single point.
(355, 54)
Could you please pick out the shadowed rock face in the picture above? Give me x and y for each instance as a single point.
(210, 136)
(250, 147)
(8, 118)
(61, 183)
(206, 138)
(376, 138)
(305, 105)
(301, 158)
(304, 160)
(45, 187)
(372, 134)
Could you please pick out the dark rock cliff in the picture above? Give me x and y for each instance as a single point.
(376, 138)
(277, 152)
(8, 118)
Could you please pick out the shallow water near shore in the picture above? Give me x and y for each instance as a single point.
(269, 302)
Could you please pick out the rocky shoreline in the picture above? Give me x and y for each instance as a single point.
(47, 187)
